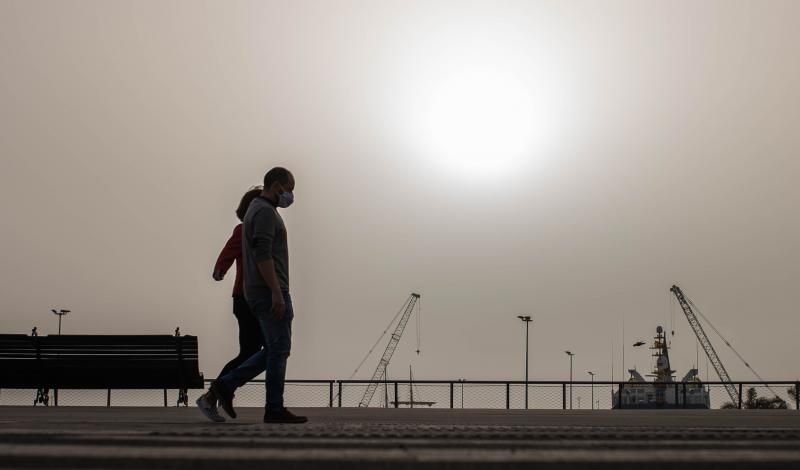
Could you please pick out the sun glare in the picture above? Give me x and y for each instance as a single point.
(480, 122)
(472, 103)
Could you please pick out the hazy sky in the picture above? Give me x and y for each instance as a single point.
(567, 160)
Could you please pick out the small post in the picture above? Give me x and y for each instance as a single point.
(330, 394)
(108, 398)
(797, 396)
(685, 404)
(508, 394)
(740, 396)
(619, 396)
(451, 394)
(55, 397)
(340, 394)
(165, 398)
(564, 396)
(397, 400)
(677, 397)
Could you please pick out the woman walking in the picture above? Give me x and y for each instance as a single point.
(250, 338)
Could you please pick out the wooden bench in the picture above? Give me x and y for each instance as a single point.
(100, 362)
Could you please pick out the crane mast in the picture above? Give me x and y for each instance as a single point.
(390, 348)
(706, 344)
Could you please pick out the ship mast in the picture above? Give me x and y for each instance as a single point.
(663, 371)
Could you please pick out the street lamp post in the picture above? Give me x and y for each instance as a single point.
(570, 354)
(60, 314)
(592, 374)
(527, 320)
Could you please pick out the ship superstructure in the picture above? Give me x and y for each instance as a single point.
(663, 391)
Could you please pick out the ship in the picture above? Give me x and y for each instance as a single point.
(663, 392)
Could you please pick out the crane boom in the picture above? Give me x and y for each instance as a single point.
(390, 348)
(706, 344)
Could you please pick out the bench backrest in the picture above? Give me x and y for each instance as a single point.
(99, 361)
(18, 364)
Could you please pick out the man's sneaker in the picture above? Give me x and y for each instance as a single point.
(209, 410)
(283, 416)
(224, 397)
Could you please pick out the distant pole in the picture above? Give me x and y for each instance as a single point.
(570, 354)
(527, 320)
(612, 363)
(622, 376)
(592, 374)
(59, 313)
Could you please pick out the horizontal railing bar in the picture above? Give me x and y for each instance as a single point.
(560, 382)
(521, 382)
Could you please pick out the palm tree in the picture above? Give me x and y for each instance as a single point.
(753, 402)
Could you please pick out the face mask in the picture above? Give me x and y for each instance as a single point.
(285, 199)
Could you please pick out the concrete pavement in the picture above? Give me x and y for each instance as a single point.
(95, 437)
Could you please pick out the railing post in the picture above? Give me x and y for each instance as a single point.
(685, 405)
(677, 401)
(452, 392)
(740, 396)
(108, 398)
(165, 398)
(564, 396)
(397, 400)
(508, 394)
(340, 394)
(797, 396)
(619, 396)
(330, 394)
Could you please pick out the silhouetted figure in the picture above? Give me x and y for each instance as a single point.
(250, 341)
(266, 288)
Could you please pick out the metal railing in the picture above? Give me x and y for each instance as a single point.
(472, 394)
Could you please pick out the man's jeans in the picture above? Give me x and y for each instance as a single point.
(277, 346)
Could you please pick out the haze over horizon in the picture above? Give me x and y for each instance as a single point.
(565, 160)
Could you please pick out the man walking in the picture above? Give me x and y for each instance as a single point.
(266, 289)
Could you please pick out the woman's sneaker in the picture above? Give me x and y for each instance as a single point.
(283, 416)
(208, 409)
(224, 398)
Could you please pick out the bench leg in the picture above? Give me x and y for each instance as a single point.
(42, 396)
(183, 397)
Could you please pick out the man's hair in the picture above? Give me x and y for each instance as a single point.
(279, 174)
(248, 197)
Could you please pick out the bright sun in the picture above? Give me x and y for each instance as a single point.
(480, 122)
(473, 103)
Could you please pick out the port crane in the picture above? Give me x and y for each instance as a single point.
(713, 357)
(394, 340)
